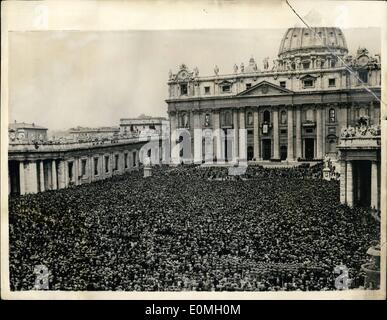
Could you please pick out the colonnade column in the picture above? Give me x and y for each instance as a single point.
(198, 138)
(61, 174)
(374, 185)
(41, 176)
(53, 175)
(349, 185)
(242, 136)
(236, 135)
(290, 153)
(22, 181)
(343, 182)
(257, 154)
(275, 135)
(298, 133)
(32, 177)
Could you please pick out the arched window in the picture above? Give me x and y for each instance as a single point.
(249, 118)
(266, 116)
(283, 117)
(332, 115)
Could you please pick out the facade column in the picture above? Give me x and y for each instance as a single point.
(319, 137)
(257, 154)
(22, 181)
(242, 136)
(290, 152)
(198, 138)
(343, 182)
(350, 201)
(374, 185)
(175, 147)
(236, 136)
(218, 136)
(53, 175)
(298, 133)
(41, 176)
(276, 155)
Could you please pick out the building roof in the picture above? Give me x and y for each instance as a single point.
(23, 125)
(298, 39)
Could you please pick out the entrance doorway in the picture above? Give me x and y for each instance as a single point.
(309, 148)
(266, 149)
(284, 152)
(362, 183)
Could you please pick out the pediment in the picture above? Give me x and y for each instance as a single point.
(265, 88)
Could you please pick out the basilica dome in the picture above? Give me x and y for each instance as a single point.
(300, 40)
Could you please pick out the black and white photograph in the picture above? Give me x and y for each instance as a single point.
(212, 150)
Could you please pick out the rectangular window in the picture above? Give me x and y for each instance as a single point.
(96, 167)
(183, 89)
(284, 131)
(70, 168)
(309, 83)
(226, 88)
(306, 65)
(83, 166)
(332, 82)
(116, 158)
(126, 160)
(206, 90)
(283, 84)
(107, 164)
(309, 130)
(248, 86)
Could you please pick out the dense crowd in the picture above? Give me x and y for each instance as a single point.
(278, 229)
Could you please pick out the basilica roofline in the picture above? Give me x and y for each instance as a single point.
(235, 76)
(341, 92)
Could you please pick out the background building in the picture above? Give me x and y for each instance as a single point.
(26, 132)
(142, 123)
(292, 110)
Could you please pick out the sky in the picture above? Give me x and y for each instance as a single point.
(62, 79)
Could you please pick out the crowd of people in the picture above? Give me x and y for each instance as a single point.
(278, 229)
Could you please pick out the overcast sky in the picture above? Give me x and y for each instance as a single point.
(62, 79)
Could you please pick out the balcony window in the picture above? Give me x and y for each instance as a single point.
(363, 75)
(308, 83)
(226, 88)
